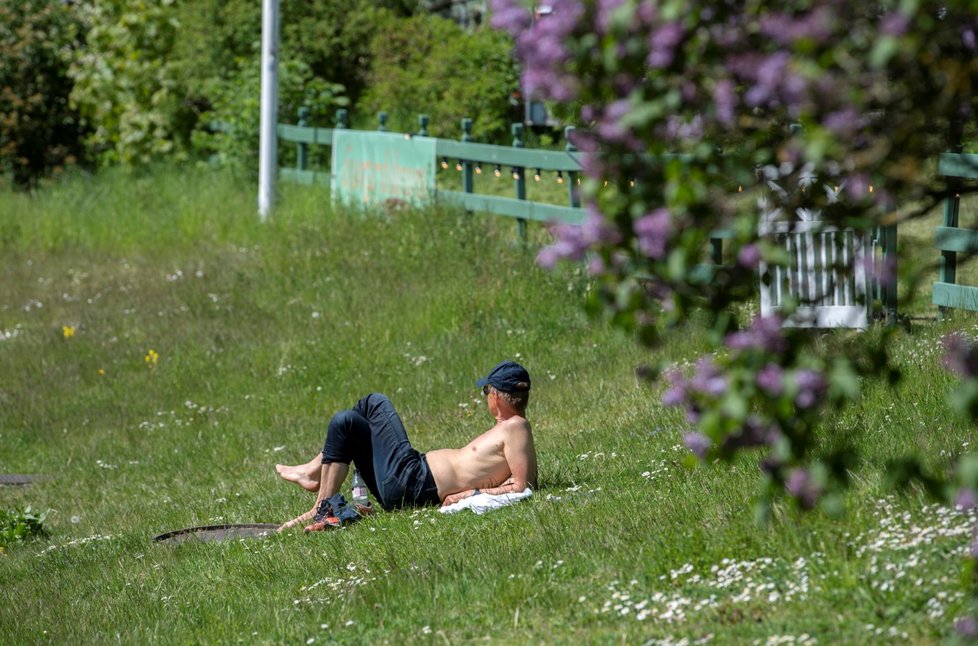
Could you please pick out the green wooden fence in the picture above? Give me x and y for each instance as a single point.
(471, 157)
(951, 240)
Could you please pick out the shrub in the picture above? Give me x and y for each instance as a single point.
(126, 81)
(429, 65)
(229, 131)
(39, 131)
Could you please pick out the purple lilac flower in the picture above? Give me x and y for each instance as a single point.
(803, 487)
(574, 241)
(698, 444)
(749, 257)
(811, 388)
(968, 38)
(895, 23)
(541, 46)
(663, 44)
(857, 186)
(768, 76)
(966, 499)
(546, 84)
(653, 231)
(682, 129)
(765, 334)
(960, 355)
(707, 378)
(570, 245)
(785, 29)
(881, 270)
(725, 101)
(770, 379)
(676, 394)
(596, 228)
(843, 123)
(610, 126)
(966, 627)
(511, 16)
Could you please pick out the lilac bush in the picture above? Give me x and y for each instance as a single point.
(703, 116)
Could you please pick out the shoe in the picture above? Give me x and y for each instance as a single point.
(330, 522)
(324, 518)
(336, 512)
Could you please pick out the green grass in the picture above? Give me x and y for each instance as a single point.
(263, 331)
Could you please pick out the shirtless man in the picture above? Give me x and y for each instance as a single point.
(371, 436)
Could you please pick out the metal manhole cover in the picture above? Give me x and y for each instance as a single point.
(215, 533)
(19, 479)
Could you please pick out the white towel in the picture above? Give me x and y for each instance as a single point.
(484, 502)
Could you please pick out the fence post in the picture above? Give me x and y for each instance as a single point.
(949, 259)
(423, 125)
(382, 121)
(302, 148)
(573, 195)
(467, 183)
(520, 176)
(889, 291)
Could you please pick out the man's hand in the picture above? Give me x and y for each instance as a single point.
(453, 498)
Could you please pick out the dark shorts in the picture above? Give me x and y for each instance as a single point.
(372, 437)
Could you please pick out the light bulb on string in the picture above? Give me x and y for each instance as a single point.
(497, 171)
(516, 173)
(444, 163)
(478, 169)
(536, 176)
(560, 177)
(458, 165)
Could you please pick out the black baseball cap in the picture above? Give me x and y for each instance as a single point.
(508, 377)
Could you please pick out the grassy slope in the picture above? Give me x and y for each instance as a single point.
(263, 331)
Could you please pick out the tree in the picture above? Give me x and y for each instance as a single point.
(429, 65)
(711, 115)
(125, 81)
(39, 131)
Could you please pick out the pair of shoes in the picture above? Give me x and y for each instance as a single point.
(336, 512)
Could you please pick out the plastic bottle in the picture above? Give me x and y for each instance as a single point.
(359, 490)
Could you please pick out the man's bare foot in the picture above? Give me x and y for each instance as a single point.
(298, 475)
(299, 520)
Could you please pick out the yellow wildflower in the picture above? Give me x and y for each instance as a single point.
(68, 331)
(152, 357)
(101, 372)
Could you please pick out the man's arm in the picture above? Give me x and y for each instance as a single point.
(521, 457)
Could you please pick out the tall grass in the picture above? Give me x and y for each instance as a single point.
(264, 330)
